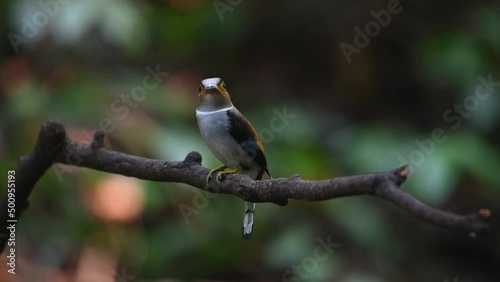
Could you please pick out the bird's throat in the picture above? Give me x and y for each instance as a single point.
(212, 102)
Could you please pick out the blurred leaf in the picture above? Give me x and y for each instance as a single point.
(289, 247)
(365, 224)
(486, 115)
(370, 147)
(30, 102)
(488, 23)
(362, 277)
(435, 179)
(451, 58)
(472, 153)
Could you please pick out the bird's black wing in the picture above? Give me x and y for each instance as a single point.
(243, 132)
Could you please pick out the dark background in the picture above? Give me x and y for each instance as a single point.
(371, 112)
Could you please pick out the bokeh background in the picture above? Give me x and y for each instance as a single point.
(77, 60)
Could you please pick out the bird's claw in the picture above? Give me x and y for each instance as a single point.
(218, 178)
(221, 173)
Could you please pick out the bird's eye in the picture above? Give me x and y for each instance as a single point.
(223, 85)
(199, 88)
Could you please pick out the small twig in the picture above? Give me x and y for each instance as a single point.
(54, 146)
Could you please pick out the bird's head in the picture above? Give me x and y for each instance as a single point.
(213, 95)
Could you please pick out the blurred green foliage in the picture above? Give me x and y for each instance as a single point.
(363, 116)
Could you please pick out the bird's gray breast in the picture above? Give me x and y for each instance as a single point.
(214, 128)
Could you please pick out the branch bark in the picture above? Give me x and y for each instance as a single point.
(53, 146)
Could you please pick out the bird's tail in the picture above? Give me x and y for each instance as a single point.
(248, 219)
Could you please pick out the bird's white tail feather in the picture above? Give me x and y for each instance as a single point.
(248, 219)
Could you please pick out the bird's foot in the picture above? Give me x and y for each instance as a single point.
(220, 168)
(222, 174)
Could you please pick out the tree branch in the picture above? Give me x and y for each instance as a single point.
(54, 146)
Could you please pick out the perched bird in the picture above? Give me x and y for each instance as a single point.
(231, 138)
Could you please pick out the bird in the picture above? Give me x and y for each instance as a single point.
(231, 138)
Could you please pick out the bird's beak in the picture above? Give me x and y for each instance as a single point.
(211, 89)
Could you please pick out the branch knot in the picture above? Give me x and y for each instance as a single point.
(193, 158)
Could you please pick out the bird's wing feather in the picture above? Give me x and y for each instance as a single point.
(244, 133)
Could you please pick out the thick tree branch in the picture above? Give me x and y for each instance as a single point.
(54, 146)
